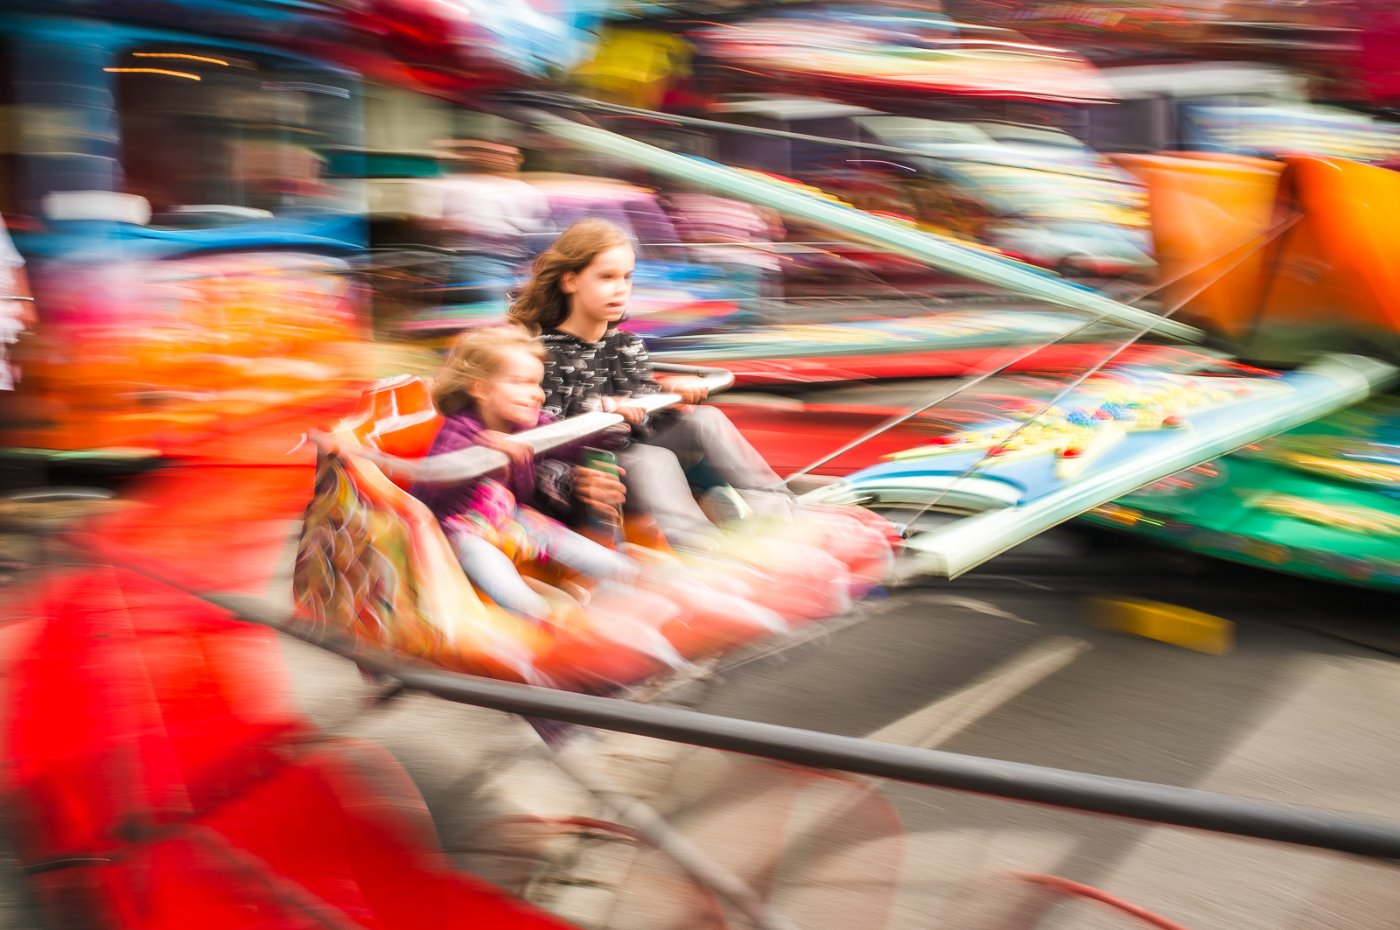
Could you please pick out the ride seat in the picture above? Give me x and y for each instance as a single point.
(397, 417)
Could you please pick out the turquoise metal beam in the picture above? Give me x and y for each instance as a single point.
(940, 252)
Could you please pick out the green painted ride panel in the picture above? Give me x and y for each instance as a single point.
(1321, 501)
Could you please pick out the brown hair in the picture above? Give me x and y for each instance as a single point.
(542, 303)
(476, 356)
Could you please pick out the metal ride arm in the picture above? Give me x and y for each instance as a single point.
(467, 464)
(1069, 790)
(961, 546)
(945, 254)
(572, 102)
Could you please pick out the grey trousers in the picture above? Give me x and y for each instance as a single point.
(657, 484)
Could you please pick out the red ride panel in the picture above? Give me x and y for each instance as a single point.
(792, 438)
(136, 705)
(164, 779)
(349, 812)
(211, 527)
(932, 363)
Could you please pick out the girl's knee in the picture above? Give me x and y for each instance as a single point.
(707, 415)
(652, 459)
(709, 424)
(621, 568)
(636, 453)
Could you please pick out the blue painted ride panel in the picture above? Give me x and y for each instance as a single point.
(1034, 475)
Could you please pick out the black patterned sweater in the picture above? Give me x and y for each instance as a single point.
(577, 374)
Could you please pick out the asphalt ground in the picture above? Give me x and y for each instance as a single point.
(1010, 662)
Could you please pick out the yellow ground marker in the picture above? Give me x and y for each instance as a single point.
(1167, 623)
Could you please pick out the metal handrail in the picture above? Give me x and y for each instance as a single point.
(467, 464)
(1082, 792)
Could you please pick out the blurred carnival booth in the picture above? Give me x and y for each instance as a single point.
(189, 255)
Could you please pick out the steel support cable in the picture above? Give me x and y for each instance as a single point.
(1254, 244)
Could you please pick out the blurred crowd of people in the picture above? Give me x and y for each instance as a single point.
(496, 219)
(16, 307)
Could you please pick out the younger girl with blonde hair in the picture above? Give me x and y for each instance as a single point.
(488, 389)
(574, 299)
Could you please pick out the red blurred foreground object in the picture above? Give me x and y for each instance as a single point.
(161, 779)
(209, 527)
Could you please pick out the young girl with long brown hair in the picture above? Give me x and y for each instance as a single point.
(488, 389)
(574, 299)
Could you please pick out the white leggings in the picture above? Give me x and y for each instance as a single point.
(494, 574)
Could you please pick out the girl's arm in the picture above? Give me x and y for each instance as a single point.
(446, 499)
(567, 492)
(555, 471)
(691, 389)
(554, 489)
(560, 482)
(628, 369)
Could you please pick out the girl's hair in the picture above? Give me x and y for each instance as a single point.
(476, 356)
(541, 303)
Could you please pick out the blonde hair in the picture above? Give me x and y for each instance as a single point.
(476, 356)
(542, 303)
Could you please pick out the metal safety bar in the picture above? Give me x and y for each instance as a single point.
(466, 464)
(1014, 781)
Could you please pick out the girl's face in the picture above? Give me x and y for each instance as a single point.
(598, 293)
(512, 396)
